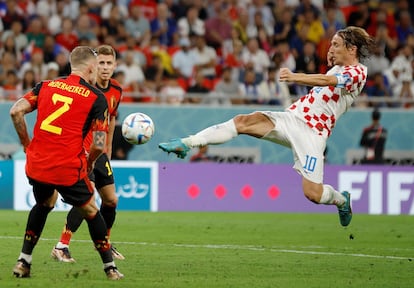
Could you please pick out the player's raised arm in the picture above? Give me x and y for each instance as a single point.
(307, 79)
(17, 112)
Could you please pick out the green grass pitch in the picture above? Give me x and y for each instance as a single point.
(183, 249)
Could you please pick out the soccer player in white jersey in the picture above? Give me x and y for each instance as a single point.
(306, 125)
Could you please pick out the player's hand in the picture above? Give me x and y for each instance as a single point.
(285, 74)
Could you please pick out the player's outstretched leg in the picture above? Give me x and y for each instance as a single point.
(216, 134)
(175, 146)
(345, 211)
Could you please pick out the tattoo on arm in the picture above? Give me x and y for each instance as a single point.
(99, 139)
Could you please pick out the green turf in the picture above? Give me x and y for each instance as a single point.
(223, 250)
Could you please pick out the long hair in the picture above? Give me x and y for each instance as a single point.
(356, 36)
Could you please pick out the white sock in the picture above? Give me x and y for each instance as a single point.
(60, 245)
(215, 134)
(26, 257)
(331, 196)
(109, 264)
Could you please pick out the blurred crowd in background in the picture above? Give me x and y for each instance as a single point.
(219, 52)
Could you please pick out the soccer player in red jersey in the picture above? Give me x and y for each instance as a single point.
(56, 160)
(102, 176)
(306, 125)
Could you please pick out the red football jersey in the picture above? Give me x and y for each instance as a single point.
(113, 95)
(67, 109)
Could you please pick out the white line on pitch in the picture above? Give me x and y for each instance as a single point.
(242, 247)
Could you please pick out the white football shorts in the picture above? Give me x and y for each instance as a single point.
(307, 146)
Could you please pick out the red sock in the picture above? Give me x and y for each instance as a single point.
(66, 236)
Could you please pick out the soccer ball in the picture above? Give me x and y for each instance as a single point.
(137, 128)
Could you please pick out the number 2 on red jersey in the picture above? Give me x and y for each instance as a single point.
(46, 123)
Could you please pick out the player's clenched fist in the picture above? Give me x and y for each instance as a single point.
(285, 74)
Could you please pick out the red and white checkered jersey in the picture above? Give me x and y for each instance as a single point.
(322, 106)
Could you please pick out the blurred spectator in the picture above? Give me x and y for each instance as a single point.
(234, 59)
(86, 28)
(140, 55)
(27, 7)
(360, 17)
(373, 140)
(248, 88)
(51, 49)
(384, 39)
(284, 29)
(200, 6)
(200, 87)
(137, 26)
(218, 28)
(264, 40)
(16, 32)
(302, 7)
(52, 71)
(107, 7)
(383, 16)
(255, 58)
(402, 69)
(206, 58)
(45, 9)
(226, 91)
(378, 87)
(62, 60)
(28, 81)
(404, 26)
(127, 90)
(163, 26)
(148, 8)
(36, 63)
(311, 25)
(10, 85)
(134, 74)
(227, 45)
(184, 60)
(377, 62)
(265, 11)
(113, 25)
(67, 37)
(400, 6)
(36, 32)
(178, 8)
(54, 21)
(71, 9)
(234, 8)
(9, 45)
(241, 25)
(13, 13)
(258, 24)
(333, 17)
(172, 92)
(154, 74)
(157, 49)
(191, 24)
